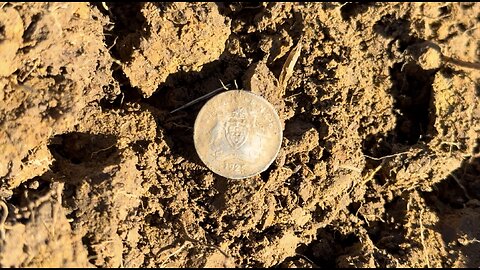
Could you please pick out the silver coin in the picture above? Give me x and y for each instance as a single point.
(237, 134)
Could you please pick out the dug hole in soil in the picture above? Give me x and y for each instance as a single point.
(379, 164)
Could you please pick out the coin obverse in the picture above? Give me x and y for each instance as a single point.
(237, 134)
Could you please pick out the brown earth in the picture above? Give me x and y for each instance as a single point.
(379, 165)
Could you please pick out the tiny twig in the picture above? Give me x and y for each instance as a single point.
(175, 253)
(291, 96)
(351, 168)
(50, 233)
(102, 243)
(450, 146)
(307, 259)
(182, 126)
(22, 79)
(104, 5)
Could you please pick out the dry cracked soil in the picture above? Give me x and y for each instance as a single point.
(379, 164)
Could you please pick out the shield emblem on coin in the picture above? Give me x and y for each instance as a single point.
(236, 128)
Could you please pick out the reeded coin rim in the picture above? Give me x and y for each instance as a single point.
(196, 127)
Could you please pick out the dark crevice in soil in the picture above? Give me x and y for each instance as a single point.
(266, 174)
(154, 219)
(459, 187)
(456, 202)
(122, 36)
(413, 106)
(128, 94)
(330, 245)
(476, 149)
(92, 255)
(296, 127)
(349, 10)
(140, 146)
(68, 200)
(389, 233)
(246, 11)
(128, 23)
(24, 197)
(80, 147)
(183, 87)
(377, 145)
(210, 225)
(297, 261)
(412, 92)
(390, 26)
(412, 87)
(29, 31)
(80, 157)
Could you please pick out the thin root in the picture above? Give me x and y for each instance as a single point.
(460, 185)
(307, 259)
(223, 85)
(422, 238)
(101, 150)
(389, 156)
(114, 43)
(4, 207)
(193, 240)
(175, 253)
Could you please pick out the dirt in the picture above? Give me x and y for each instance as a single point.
(379, 162)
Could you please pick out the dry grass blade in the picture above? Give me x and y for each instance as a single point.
(224, 87)
(287, 69)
